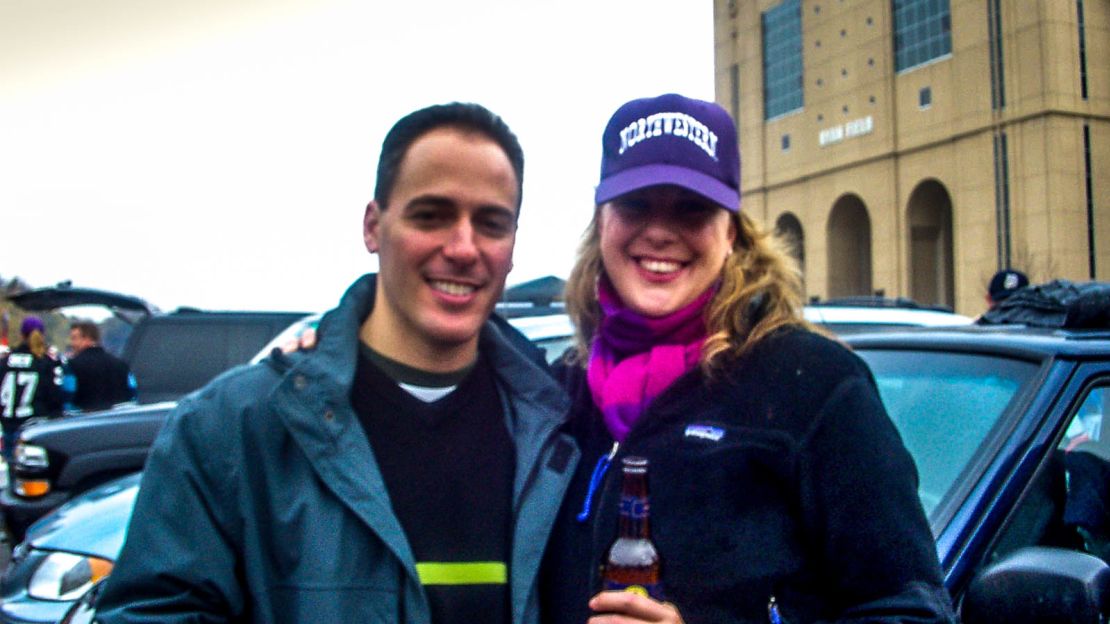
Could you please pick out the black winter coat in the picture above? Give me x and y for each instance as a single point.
(808, 496)
(102, 379)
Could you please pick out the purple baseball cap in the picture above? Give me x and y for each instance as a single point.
(30, 324)
(671, 139)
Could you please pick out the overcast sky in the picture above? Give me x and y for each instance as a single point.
(220, 153)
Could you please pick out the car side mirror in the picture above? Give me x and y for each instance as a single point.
(1039, 584)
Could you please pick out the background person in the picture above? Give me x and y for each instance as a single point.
(1003, 284)
(30, 383)
(407, 469)
(780, 490)
(96, 379)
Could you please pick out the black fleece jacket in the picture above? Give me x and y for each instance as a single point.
(807, 495)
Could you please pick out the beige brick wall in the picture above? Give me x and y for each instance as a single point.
(849, 75)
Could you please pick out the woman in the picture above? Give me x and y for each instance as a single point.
(30, 383)
(780, 490)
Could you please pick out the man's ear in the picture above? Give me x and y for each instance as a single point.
(371, 226)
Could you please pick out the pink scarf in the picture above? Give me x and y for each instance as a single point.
(634, 358)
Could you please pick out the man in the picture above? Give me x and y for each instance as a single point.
(407, 469)
(97, 379)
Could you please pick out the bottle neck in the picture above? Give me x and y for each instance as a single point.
(635, 508)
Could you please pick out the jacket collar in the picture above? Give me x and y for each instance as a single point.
(313, 402)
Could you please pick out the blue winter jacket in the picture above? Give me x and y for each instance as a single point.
(262, 500)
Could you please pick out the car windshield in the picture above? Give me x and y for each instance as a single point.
(945, 405)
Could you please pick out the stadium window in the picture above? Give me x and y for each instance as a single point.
(922, 32)
(782, 59)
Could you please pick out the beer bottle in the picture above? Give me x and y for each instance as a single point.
(633, 562)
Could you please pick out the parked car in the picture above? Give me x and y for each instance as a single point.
(554, 333)
(990, 415)
(69, 550)
(853, 315)
(993, 416)
(66, 553)
(170, 354)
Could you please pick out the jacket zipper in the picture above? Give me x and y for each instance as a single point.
(773, 615)
(596, 478)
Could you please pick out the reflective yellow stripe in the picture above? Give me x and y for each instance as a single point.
(470, 573)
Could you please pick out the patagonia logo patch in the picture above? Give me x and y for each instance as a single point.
(705, 432)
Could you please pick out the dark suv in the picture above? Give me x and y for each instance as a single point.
(1005, 423)
(170, 355)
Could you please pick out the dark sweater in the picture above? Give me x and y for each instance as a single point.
(102, 379)
(448, 469)
(807, 495)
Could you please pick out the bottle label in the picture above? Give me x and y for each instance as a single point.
(650, 590)
(635, 507)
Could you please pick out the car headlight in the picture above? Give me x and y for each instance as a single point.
(31, 457)
(66, 576)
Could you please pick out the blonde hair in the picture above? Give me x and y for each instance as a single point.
(760, 291)
(36, 342)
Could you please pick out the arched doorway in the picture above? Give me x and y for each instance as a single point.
(788, 229)
(929, 218)
(849, 260)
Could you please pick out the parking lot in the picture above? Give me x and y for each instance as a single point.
(994, 416)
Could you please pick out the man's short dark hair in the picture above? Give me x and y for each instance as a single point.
(88, 329)
(463, 115)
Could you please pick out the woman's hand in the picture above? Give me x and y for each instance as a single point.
(622, 607)
(305, 342)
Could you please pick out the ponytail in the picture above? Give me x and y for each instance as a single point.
(36, 342)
